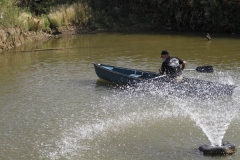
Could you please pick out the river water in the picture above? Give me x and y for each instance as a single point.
(53, 105)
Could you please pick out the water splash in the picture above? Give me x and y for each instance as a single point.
(213, 117)
(130, 106)
(225, 78)
(117, 115)
(213, 114)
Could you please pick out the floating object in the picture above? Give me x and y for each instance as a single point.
(208, 36)
(225, 149)
(203, 69)
(188, 86)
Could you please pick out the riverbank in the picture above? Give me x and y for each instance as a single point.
(15, 36)
(11, 37)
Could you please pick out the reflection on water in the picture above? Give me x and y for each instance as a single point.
(53, 106)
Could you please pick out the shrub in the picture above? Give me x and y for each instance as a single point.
(9, 13)
(69, 15)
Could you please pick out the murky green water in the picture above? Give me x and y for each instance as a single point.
(53, 106)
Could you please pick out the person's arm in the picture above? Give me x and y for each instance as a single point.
(183, 65)
(161, 70)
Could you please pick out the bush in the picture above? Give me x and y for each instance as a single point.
(9, 13)
(64, 15)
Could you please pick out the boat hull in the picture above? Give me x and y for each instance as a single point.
(122, 75)
(188, 86)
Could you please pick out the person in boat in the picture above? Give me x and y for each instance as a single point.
(171, 66)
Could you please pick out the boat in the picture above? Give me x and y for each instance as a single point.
(188, 86)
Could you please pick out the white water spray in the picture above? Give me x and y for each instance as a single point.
(212, 114)
(137, 106)
(213, 117)
(121, 112)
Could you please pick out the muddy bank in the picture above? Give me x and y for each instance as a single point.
(13, 37)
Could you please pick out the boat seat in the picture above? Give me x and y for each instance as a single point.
(135, 75)
(106, 67)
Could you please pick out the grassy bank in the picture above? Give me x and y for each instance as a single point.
(189, 15)
(62, 15)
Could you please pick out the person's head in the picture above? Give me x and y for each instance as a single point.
(164, 55)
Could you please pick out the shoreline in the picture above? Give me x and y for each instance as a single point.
(14, 36)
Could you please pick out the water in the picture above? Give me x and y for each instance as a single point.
(53, 106)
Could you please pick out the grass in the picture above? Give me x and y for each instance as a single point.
(75, 14)
(9, 14)
(62, 15)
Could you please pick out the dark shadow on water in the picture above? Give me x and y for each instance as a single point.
(103, 83)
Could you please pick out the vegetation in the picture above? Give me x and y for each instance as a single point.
(37, 15)
(74, 14)
(13, 16)
(194, 15)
